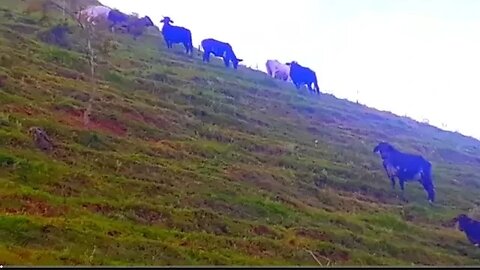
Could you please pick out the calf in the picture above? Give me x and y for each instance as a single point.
(219, 49)
(176, 34)
(406, 167)
(278, 70)
(302, 75)
(470, 227)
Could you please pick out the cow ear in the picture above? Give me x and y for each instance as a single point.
(239, 60)
(162, 21)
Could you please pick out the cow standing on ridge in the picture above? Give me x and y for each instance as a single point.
(278, 70)
(117, 17)
(176, 34)
(302, 75)
(219, 49)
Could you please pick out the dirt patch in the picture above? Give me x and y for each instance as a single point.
(149, 216)
(99, 208)
(70, 186)
(217, 206)
(158, 122)
(69, 74)
(33, 206)
(23, 28)
(75, 118)
(261, 179)
(334, 256)
(210, 222)
(109, 125)
(257, 249)
(114, 233)
(3, 81)
(23, 110)
(263, 230)
(312, 234)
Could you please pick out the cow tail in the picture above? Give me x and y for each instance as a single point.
(427, 181)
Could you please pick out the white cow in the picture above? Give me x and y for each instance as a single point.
(278, 70)
(92, 13)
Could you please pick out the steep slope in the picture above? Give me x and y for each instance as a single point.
(187, 163)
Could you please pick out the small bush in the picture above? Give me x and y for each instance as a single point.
(57, 35)
(6, 161)
(92, 140)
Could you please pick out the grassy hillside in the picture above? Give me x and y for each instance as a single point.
(193, 164)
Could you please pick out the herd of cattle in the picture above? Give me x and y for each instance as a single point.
(291, 72)
(406, 167)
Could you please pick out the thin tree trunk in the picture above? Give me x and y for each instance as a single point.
(88, 110)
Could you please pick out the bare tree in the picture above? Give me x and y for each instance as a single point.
(89, 32)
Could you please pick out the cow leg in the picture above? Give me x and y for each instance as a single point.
(392, 180)
(309, 86)
(187, 48)
(401, 182)
(390, 176)
(206, 56)
(427, 182)
(112, 27)
(429, 189)
(471, 239)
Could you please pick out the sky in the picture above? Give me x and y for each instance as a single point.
(416, 58)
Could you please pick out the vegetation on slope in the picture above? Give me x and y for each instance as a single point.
(187, 163)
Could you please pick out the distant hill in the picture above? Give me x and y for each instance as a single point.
(194, 164)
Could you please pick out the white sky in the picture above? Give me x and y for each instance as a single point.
(419, 58)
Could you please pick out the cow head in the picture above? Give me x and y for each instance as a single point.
(166, 20)
(384, 149)
(235, 62)
(463, 221)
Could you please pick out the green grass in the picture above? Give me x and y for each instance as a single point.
(193, 164)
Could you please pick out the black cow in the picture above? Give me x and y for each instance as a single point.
(138, 26)
(219, 49)
(302, 75)
(406, 167)
(176, 34)
(470, 227)
(117, 17)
